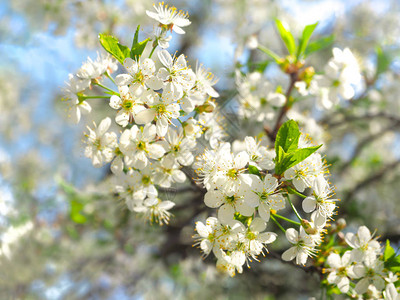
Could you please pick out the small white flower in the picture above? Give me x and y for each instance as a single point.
(167, 172)
(138, 145)
(320, 201)
(170, 17)
(155, 210)
(340, 268)
(302, 246)
(207, 235)
(304, 173)
(230, 175)
(259, 155)
(363, 244)
(264, 195)
(140, 73)
(161, 109)
(128, 105)
(100, 143)
(228, 205)
(177, 76)
(74, 86)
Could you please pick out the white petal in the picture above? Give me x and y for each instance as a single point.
(165, 58)
(115, 102)
(123, 79)
(309, 204)
(145, 116)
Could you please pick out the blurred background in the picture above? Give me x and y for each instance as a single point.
(63, 235)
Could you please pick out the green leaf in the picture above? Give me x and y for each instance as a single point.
(286, 36)
(137, 47)
(75, 214)
(389, 251)
(136, 37)
(319, 44)
(287, 137)
(301, 154)
(293, 158)
(382, 60)
(270, 53)
(254, 170)
(111, 45)
(307, 32)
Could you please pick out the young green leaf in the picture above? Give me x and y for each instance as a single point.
(138, 49)
(254, 170)
(383, 60)
(270, 53)
(286, 36)
(319, 44)
(389, 252)
(111, 45)
(136, 37)
(293, 158)
(307, 32)
(287, 137)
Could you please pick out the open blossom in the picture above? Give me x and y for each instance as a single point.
(320, 201)
(259, 155)
(207, 235)
(264, 195)
(138, 145)
(170, 17)
(371, 273)
(304, 173)
(256, 239)
(205, 81)
(363, 244)
(230, 175)
(155, 210)
(340, 270)
(161, 37)
(341, 73)
(161, 109)
(141, 72)
(127, 187)
(127, 104)
(177, 76)
(303, 246)
(167, 172)
(100, 143)
(74, 86)
(179, 147)
(228, 205)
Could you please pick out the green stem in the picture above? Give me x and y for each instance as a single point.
(293, 191)
(183, 127)
(277, 224)
(109, 76)
(286, 219)
(106, 88)
(95, 97)
(152, 51)
(294, 208)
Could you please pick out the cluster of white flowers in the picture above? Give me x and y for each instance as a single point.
(91, 72)
(162, 112)
(257, 97)
(237, 235)
(364, 264)
(342, 73)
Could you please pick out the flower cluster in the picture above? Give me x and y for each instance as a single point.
(162, 111)
(248, 194)
(360, 270)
